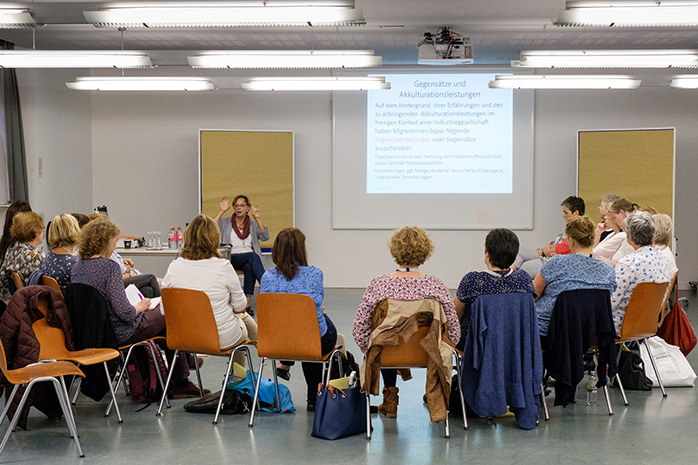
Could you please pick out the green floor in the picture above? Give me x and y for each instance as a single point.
(651, 430)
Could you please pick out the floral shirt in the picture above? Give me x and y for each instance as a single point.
(646, 264)
(477, 283)
(58, 267)
(22, 258)
(403, 288)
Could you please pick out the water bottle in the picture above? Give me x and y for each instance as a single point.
(179, 237)
(592, 390)
(172, 239)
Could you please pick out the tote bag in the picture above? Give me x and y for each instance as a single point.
(672, 365)
(339, 413)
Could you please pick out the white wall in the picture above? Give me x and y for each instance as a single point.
(144, 158)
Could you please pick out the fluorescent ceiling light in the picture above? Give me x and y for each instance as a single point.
(120, 83)
(227, 14)
(316, 83)
(563, 82)
(286, 59)
(608, 59)
(15, 18)
(73, 59)
(684, 82)
(629, 13)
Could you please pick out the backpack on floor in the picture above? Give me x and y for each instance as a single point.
(234, 402)
(144, 386)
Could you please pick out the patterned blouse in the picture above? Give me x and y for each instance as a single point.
(403, 288)
(58, 267)
(566, 273)
(308, 281)
(477, 283)
(22, 258)
(646, 264)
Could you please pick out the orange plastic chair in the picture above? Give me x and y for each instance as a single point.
(288, 329)
(36, 373)
(410, 354)
(191, 327)
(52, 347)
(642, 317)
(52, 283)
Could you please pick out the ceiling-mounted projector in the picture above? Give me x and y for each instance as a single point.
(445, 48)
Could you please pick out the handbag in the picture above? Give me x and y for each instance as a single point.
(671, 364)
(676, 328)
(339, 412)
(267, 393)
(631, 371)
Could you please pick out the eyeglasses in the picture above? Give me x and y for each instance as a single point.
(241, 205)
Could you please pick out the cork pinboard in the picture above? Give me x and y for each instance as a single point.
(259, 164)
(637, 164)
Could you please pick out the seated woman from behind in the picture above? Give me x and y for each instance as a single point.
(645, 264)
(663, 229)
(130, 324)
(22, 257)
(501, 247)
(293, 275)
(200, 267)
(410, 247)
(63, 236)
(579, 270)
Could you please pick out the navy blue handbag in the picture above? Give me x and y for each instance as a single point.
(339, 412)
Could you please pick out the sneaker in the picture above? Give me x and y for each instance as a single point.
(284, 373)
(186, 390)
(311, 407)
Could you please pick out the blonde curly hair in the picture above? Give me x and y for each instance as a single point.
(95, 237)
(410, 246)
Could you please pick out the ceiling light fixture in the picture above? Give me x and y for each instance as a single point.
(629, 13)
(73, 59)
(563, 82)
(16, 18)
(684, 82)
(286, 59)
(341, 83)
(120, 83)
(227, 14)
(607, 59)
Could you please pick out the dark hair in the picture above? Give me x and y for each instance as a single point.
(241, 196)
(82, 219)
(502, 245)
(289, 252)
(201, 239)
(575, 204)
(6, 241)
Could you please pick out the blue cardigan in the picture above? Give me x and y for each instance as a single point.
(502, 361)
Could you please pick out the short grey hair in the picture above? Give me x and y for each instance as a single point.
(639, 226)
(663, 229)
(608, 199)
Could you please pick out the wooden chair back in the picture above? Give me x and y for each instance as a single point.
(407, 353)
(288, 327)
(50, 282)
(191, 326)
(17, 280)
(666, 296)
(643, 311)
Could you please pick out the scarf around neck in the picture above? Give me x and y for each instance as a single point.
(245, 227)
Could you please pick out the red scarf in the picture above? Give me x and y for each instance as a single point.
(245, 227)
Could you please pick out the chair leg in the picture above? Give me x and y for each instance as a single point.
(608, 399)
(542, 401)
(198, 375)
(225, 382)
(460, 389)
(64, 400)
(153, 347)
(120, 378)
(158, 413)
(77, 380)
(448, 430)
(368, 416)
(256, 389)
(654, 366)
(622, 391)
(8, 402)
(112, 392)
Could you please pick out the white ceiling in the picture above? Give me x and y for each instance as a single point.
(498, 29)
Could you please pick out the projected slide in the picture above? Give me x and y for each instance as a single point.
(439, 134)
